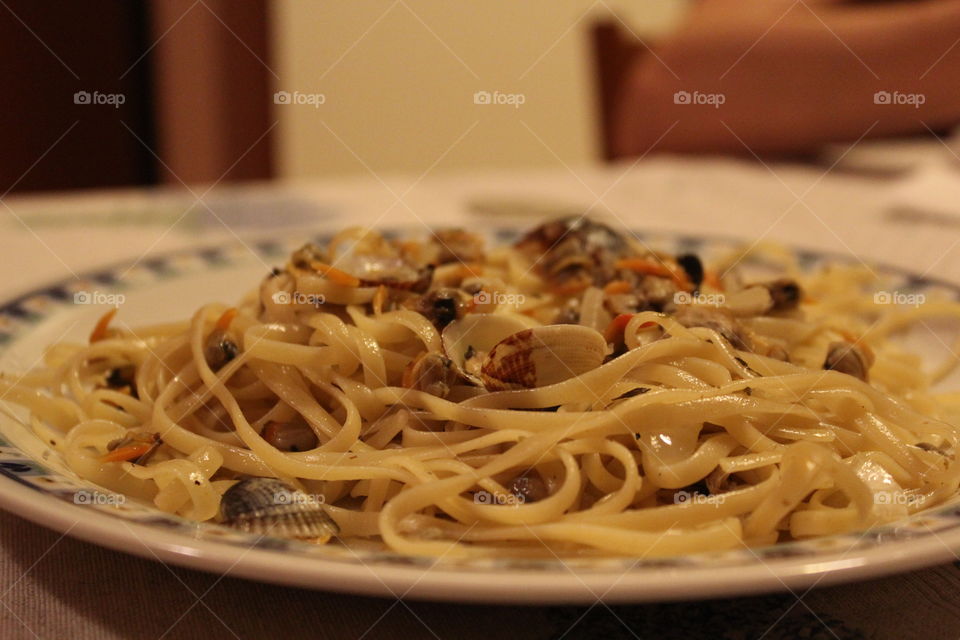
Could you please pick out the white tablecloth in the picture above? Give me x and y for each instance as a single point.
(56, 587)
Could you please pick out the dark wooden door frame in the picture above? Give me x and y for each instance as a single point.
(213, 87)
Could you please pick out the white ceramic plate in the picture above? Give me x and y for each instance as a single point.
(35, 484)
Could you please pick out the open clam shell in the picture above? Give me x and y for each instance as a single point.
(575, 250)
(466, 341)
(375, 261)
(433, 373)
(542, 356)
(269, 506)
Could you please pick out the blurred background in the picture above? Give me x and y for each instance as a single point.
(822, 125)
(185, 88)
(107, 93)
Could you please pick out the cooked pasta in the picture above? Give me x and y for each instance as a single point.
(574, 393)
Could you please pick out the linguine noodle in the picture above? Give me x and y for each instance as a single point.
(574, 393)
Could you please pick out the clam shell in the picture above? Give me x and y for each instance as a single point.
(478, 333)
(268, 506)
(849, 358)
(375, 261)
(576, 251)
(430, 372)
(542, 356)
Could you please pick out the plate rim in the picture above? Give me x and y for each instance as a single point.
(564, 585)
(445, 583)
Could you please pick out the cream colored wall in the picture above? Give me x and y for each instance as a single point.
(398, 80)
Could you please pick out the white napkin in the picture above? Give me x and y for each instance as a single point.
(931, 190)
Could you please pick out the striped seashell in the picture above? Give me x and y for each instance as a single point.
(542, 356)
(466, 341)
(268, 506)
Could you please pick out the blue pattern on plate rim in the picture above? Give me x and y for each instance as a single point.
(19, 314)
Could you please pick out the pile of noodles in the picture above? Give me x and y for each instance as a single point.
(786, 449)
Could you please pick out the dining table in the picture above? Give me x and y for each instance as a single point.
(878, 202)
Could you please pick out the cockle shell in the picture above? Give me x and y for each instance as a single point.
(269, 506)
(474, 335)
(542, 356)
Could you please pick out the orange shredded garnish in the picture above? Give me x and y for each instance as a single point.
(335, 275)
(713, 280)
(571, 288)
(617, 326)
(642, 265)
(849, 337)
(407, 381)
(617, 286)
(653, 268)
(470, 270)
(270, 431)
(379, 299)
(223, 323)
(409, 247)
(857, 341)
(129, 452)
(100, 331)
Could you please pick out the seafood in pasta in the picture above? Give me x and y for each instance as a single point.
(574, 392)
